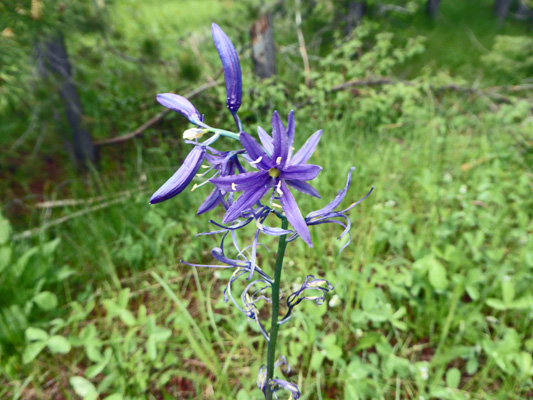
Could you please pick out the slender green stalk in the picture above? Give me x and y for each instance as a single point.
(271, 357)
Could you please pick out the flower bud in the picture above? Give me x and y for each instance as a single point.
(232, 68)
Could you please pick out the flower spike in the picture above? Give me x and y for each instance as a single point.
(232, 67)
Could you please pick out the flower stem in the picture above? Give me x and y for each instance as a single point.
(271, 357)
(223, 132)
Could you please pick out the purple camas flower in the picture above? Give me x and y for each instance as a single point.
(275, 171)
(232, 68)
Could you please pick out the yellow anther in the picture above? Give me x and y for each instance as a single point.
(276, 205)
(273, 172)
(278, 160)
(194, 187)
(233, 187)
(206, 166)
(257, 161)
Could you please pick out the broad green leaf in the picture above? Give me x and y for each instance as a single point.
(317, 359)
(83, 387)
(114, 396)
(243, 395)
(94, 370)
(46, 300)
(35, 334)
(32, 351)
(472, 366)
(497, 304)
(127, 317)
(523, 303)
(50, 247)
(453, 378)
(472, 291)
(58, 344)
(437, 274)
(161, 334)
(151, 349)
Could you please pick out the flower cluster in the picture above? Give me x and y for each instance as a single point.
(252, 183)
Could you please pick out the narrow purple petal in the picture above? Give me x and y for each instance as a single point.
(336, 201)
(266, 140)
(255, 151)
(238, 183)
(280, 140)
(232, 67)
(244, 202)
(303, 187)
(180, 104)
(290, 130)
(213, 200)
(307, 150)
(301, 172)
(182, 177)
(293, 214)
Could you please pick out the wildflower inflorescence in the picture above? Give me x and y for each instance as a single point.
(265, 190)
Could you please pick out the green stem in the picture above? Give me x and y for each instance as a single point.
(223, 132)
(271, 357)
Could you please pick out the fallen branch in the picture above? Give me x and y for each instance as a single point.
(76, 202)
(154, 120)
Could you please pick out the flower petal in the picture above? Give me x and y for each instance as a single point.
(213, 200)
(290, 130)
(182, 177)
(232, 67)
(238, 183)
(302, 172)
(255, 151)
(307, 150)
(303, 187)
(293, 214)
(266, 140)
(280, 140)
(180, 104)
(336, 201)
(244, 202)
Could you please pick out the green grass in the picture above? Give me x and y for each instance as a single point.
(433, 294)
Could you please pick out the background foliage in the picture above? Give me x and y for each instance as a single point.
(433, 297)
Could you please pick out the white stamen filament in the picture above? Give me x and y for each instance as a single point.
(278, 189)
(196, 186)
(257, 161)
